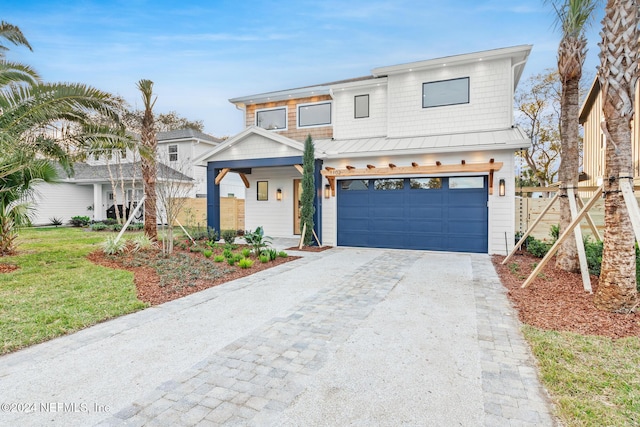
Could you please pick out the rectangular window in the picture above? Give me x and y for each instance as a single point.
(426, 183)
(263, 190)
(361, 105)
(466, 182)
(355, 185)
(445, 92)
(173, 153)
(273, 119)
(314, 114)
(389, 184)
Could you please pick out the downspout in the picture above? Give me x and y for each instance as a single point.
(244, 114)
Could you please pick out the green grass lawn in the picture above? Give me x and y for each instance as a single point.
(594, 381)
(57, 290)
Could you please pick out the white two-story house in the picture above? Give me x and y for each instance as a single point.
(90, 191)
(417, 155)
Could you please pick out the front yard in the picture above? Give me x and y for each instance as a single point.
(54, 285)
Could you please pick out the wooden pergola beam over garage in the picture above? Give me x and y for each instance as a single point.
(463, 167)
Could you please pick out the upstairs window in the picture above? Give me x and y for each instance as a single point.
(361, 106)
(272, 119)
(173, 153)
(314, 114)
(445, 92)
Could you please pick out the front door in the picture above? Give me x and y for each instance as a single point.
(297, 192)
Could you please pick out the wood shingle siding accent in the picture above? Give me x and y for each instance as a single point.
(293, 132)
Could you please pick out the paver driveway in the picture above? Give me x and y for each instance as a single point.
(343, 337)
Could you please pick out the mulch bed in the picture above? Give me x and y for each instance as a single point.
(556, 300)
(309, 248)
(8, 268)
(147, 280)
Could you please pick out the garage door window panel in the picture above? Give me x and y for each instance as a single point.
(355, 185)
(388, 184)
(426, 183)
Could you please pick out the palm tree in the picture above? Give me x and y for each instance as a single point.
(149, 142)
(618, 77)
(13, 34)
(573, 17)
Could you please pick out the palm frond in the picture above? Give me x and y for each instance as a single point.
(16, 73)
(13, 34)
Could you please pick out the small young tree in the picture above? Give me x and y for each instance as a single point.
(308, 191)
(172, 191)
(149, 143)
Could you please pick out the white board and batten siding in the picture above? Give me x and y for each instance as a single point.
(257, 147)
(276, 217)
(501, 218)
(61, 200)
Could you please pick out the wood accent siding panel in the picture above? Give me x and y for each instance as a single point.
(490, 106)
(321, 132)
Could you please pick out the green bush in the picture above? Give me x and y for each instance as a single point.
(231, 261)
(218, 258)
(55, 221)
(538, 248)
(112, 247)
(136, 226)
(264, 259)
(143, 243)
(554, 232)
(196, 249)
(229, 236)
(282, 254)
(227, 253)
(594, 255)
(115, 227)
(79, 221)
(98, 226)
(207, 253)
(238, 257)
(246, 252)
(245, 263)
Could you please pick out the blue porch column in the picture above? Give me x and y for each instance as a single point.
(213, 198)
(317, 202)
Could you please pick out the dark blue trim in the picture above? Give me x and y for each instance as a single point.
(317, 202)
(213, 197)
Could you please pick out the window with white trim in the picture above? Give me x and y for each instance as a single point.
(445, 92)
(272, 119)
(314, 114)
(173, 153)
(361, 106)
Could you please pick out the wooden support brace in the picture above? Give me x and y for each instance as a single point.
(590, 221)
(299, 168)
(332, 184)
(563, 237)
(304, 231)
(491, 182)
(531, 228)
(244, 179)
(632, 207)
(221, 175)
(577, 232)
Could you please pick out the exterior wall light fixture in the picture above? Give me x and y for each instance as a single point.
(279, 194)
(501, 187)
(327, 191)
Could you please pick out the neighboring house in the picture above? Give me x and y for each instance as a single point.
(595, 142)
(90, 191)
(417, 156)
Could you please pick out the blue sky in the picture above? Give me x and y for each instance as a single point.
(201, 53)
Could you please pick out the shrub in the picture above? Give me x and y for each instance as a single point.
(282, 254)
(115, 227)
(98, 226)
(554, 232)
(227, 253)
(264, 259)
(136, 226)
(196, 249)
(245, 263)
(538, 248)
(594, 255)
(112, 247)
(237, 257)
(110, 221)
(257, 240)
(209, 234)
(207, 253)
(79, 221)
(218, 258)
(231, 261)
(55, 221)
(273, 254)
(229, 236)
(246, 252)
(143, 243)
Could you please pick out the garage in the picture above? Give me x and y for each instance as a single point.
(427, 213)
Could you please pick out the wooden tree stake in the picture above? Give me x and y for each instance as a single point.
(577, 232)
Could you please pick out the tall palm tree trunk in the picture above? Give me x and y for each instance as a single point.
(567, 258)
(149, 143)
(618, 76)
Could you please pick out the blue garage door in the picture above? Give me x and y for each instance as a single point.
(441, 214)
